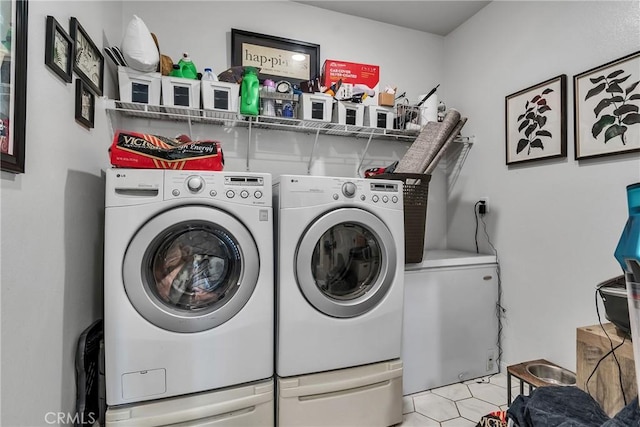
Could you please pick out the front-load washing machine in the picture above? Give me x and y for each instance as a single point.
(188, 288)
(339, 289)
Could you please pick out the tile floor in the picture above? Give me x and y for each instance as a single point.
(458, 405)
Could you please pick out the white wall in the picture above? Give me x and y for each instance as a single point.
(555, 223)
(52, 218)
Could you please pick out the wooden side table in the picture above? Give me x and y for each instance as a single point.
(604, 385)
(520, 371)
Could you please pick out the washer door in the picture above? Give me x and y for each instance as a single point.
(190, 269)
(346, 262)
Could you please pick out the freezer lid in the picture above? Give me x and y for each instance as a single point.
(450, 258)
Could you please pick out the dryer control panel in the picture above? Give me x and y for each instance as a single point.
(303, 191)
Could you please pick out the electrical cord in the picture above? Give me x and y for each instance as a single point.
(475, 212)
(500, 309)
(612, 352)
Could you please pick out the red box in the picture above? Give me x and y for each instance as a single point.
(356, 74)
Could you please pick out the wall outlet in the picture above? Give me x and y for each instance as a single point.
(491, 360)
(486, 204)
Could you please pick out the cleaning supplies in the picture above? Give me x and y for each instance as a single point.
(250, 92)
(187, 67)
(208, 75)
(628, 255)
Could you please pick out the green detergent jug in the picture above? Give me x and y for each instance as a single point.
(250, 92)
(189, 70)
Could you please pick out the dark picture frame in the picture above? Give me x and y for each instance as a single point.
(536, 122)
(58, 50)
(13, 92)
(88, 62)
(85, 104)
(273, 56)
(606, 103)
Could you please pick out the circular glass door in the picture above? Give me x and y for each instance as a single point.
(190, 269)
(346, 262)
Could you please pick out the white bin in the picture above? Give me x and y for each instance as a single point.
(136, 86)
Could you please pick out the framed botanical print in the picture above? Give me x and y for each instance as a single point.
(88, 62)
(85, 104)
(536, 122)
(607, 104)
(58, 50)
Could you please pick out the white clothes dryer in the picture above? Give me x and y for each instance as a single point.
(340, 272)
(188, 282)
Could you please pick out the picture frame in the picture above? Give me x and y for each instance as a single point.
(88, 62)
(274, 56)
(85, 104)
(13, 88)
(58, 50)
(536, 122)
(606, 104)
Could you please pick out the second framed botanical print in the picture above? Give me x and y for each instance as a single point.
(607, 100)
(88, 62)
(536, 122)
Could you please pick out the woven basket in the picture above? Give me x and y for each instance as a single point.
(416, 190)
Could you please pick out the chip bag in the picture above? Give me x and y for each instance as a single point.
(146, 151)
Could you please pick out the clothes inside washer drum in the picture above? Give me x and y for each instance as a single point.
(197, 282)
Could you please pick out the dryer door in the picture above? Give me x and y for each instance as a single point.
(346, 262)
(191, 268)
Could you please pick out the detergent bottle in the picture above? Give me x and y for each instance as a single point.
(250, 92)
(187, 67)
(176, 71)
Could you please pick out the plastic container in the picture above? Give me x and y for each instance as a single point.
(250, 93)
(269, 105)
(628, 255)
(187, 67)
(614, 297)
(209, 76)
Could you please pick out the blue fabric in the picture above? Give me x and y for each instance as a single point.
(556, 406)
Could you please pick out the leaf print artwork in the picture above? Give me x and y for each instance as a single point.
(618, 112)
(535, 122)
(532, 122)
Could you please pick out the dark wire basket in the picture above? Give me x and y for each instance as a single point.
(415, 192)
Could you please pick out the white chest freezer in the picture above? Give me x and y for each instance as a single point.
(450, 328)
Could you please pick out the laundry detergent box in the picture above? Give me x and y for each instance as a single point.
(363, 77)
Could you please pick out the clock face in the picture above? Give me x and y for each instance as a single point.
(86, 59)
(283, 87)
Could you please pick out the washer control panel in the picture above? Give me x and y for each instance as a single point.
(250, 189)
